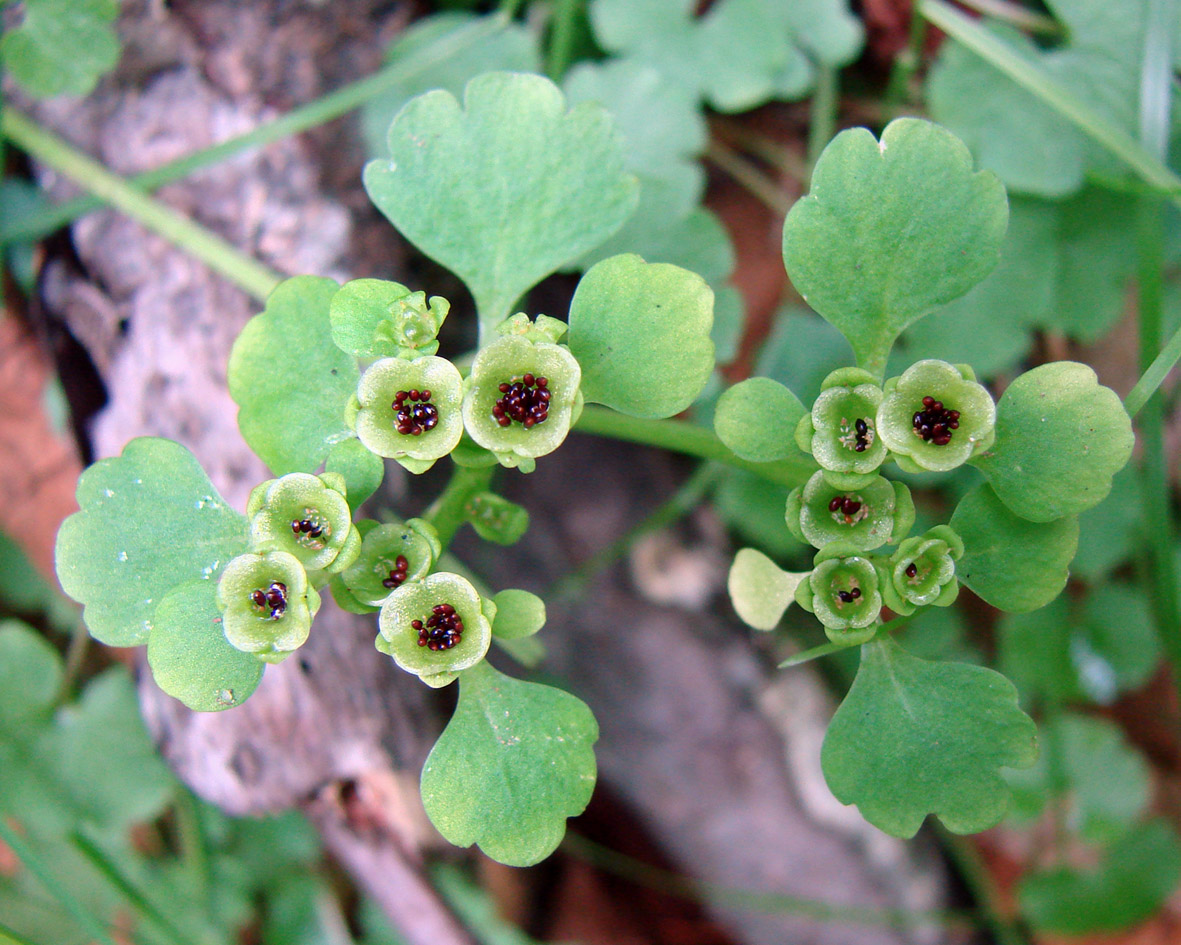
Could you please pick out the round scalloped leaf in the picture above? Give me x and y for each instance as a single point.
(641, 333)
(891, 231)
(760, 590)
(514, 762)
(1060, 438)
(755, 419)
(150, 520)
(914, 737)
(507, 188)
(361, 469)
(1012, 563)
(191, 659)
(290, 382)
(62, 46)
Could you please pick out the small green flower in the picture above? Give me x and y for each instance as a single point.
(266, 604)
(392, 555)
(841, 431)
(922, 571)
(879, 513)
(522, 398)
(409, 411)
(843, 592)
(436, 627)
(306, 516)
(935, 416)
(413, 323)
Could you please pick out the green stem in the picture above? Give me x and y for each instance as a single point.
(688, 438)
(680, 504)
(763, 187)
(250, 276)
(977, 878)
(11, 936)
(1154, 376)
(89, 922)
(1019, 16)
(194, 853)
(907, 62)
(75, 656)
(447, 512)
(825, 649)
(561, 40)
(823, 120)
(1034, 79)
(301, 119)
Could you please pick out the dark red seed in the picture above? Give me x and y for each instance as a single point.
(425, 396)
(860, 447)
(389, 582)
(542, 382)
(295, 527)
(528, 380)
(259, 598)
(835, 504)
(855, 593)
(953, 415)
(850, 506)
(912, 570)
(861, 427)
(845, 596)
(928, 402)
(503, 388)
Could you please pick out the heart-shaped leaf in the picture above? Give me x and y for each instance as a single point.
(506, 189)
(760, 590)
(1060, 437)
(513, 763)
(891, 230)
(191, 659)
(756, 419)
(914, 738)
(641, 333)
(290, 382)
(62, 46)
(1011, 562)
(150, 520)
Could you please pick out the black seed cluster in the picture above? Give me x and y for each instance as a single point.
(397, 573)
(934, 422)
(847, 597)
(274, 599)
(414, 414)
(442, 630)
(862, 442)
(525, 400)
(305, 526)
(845, 505)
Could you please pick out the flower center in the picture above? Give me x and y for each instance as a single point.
(311, 530)
(912, 570)
(414, 414)
(273, 599)
(523, 399)
(442, 630)
(397, 574)
(847, 510)
(847, 597)
(935, 422)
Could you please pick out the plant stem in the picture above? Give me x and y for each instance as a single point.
(193, 852)
(1019, 16)
(975, 874)
(75, 656)
(825, 649)
(11, 936)
(907, 62)
(561, 39)
(1034, 79)
(250, 276)
(447, 511)
(1154, 376)
(823, 119)
(89, 922)
(689, 438)
(311, 115)
(750, 177)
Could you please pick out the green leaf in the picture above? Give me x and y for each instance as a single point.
(801, 351)
(1060, 437)
(30, 676)
(756, 418)
(362, 470)
(506, 189)
(514, 762)
(753, 507)
(640, 332)
(62, 46)
(891, 231)
(914, 738)
(1121, 648)
(150, 519)
(760, 590)
(289, 380)
(191, 659)
(1014, 564)
(1131, 882)
(518, 614)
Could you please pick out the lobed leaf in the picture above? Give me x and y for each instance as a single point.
(914, 738)
(62, 46)
(149, 520)
(513, 763)
(1060, 438)
(891, 230)
(290, 382)
(505, 189)
(641, 334)
(1011, 562)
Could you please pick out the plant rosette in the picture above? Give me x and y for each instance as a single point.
(392, 555)
(843, 592)
(922, 571)
(841, 430)
(522, 398)
(266, 604)
(436, 627)
(879, 513)
(306, 516)
(409, 411)
(935, 417)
